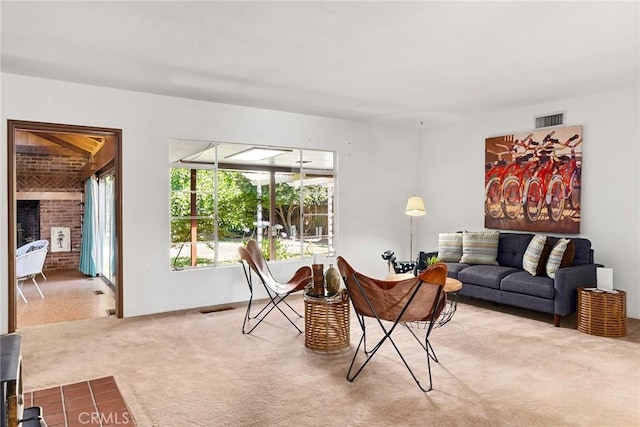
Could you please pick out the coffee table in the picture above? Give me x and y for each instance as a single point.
(451, 286)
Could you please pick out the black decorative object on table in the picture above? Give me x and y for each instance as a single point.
(399, 267)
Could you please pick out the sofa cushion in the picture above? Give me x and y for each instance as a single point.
(584, 255)
(523, 283)
(511, 248)
(480, 247)
(450, 247)
(532, 255)
(486, 275)
(453, 268)
(555, 257)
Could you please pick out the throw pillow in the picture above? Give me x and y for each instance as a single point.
(532, 255)
(450, 247)
(480, 247)
(555, 257)
(569, 255)
(544, 257)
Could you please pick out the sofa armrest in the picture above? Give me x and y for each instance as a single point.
(567, 280)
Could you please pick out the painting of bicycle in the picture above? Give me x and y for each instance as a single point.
(533, 181)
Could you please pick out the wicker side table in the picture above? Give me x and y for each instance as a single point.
(326, 322)
(602, 313)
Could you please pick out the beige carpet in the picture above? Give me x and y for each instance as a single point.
(499, 366)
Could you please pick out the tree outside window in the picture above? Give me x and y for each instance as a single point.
(216, 209)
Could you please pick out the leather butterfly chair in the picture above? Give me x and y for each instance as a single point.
(416, 300)
(253, 261)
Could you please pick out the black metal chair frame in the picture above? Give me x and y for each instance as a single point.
(277, 292)
(445, 316)
(388, 330)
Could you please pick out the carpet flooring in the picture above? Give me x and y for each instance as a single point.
(96, 402)
(499, 366)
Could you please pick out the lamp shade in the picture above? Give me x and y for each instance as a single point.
(415, 206)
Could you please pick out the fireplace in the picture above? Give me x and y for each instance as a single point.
(28, 227)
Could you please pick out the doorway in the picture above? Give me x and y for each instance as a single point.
(95, 155)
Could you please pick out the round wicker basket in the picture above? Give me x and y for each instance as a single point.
(602, 313)
(326, 322)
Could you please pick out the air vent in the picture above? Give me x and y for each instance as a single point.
(550, 120)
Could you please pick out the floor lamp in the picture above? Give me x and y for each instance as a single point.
(415, 207)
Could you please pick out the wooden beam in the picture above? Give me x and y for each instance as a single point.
(61, 142)
(46, 150)
(100, 161)
(87, 144)
(48, 195)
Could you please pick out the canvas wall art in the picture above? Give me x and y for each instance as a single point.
(533, 181)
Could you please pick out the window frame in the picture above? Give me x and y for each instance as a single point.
(304, 174)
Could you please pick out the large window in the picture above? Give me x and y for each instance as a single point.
(223, 194)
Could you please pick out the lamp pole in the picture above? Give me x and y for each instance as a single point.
(415, 207)
(411, 240)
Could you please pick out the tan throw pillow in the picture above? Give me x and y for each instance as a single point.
(480, 247)
(450, 247)
(555, 257)
(532, 255)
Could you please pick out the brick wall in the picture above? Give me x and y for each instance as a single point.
(55, 173)
(61, 213)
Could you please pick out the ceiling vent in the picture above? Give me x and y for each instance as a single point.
(550, 120)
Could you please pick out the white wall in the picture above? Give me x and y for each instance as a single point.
(375, 177)
(377, 171)
(453, 179)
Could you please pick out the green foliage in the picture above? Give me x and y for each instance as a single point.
(281, 249)
(287, 204)
(432, 260)
(186, 261)
(237, 204)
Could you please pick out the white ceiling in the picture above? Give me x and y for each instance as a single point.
(391, 62)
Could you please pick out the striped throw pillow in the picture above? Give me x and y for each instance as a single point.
(532, 255)
(450, 247)
(555, 257)
(480, 247)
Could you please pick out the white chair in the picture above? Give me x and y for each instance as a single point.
(28, 266)
(32, 246)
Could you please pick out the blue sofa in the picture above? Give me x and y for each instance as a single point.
(508, 283)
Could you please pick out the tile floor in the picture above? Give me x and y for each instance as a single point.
(68, 295)
(95, 402)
